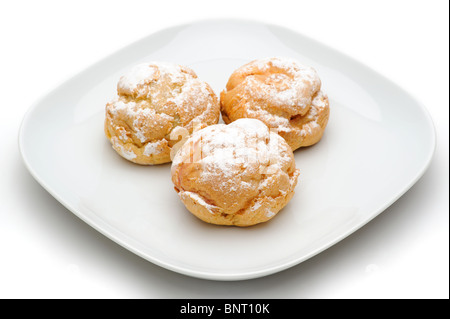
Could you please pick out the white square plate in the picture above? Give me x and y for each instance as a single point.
(378, 143)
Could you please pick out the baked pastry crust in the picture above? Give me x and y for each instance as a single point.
(283, 94)
(238, 174)
(153, 99)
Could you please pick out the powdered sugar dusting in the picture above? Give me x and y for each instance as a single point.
(319, 101)
(139, 112)
(286, 88)
(119, 106)
(136, 76)
(147, 72)
(227, 149)
(193, 93)
(176, 91)
(317, 106)
(277, 123)
(281, 92)
(128, 154)
(199, 200)
(153, 99)
(256, 206)
(234, 168)
(152, 148)
(269, 213)
(235, 145)
(122, 133)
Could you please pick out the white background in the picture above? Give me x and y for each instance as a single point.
(47, 252)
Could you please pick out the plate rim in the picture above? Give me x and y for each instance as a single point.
(211, 275)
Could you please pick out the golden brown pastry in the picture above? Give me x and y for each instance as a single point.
(153, 99)
(238, 174)
(283, 94)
